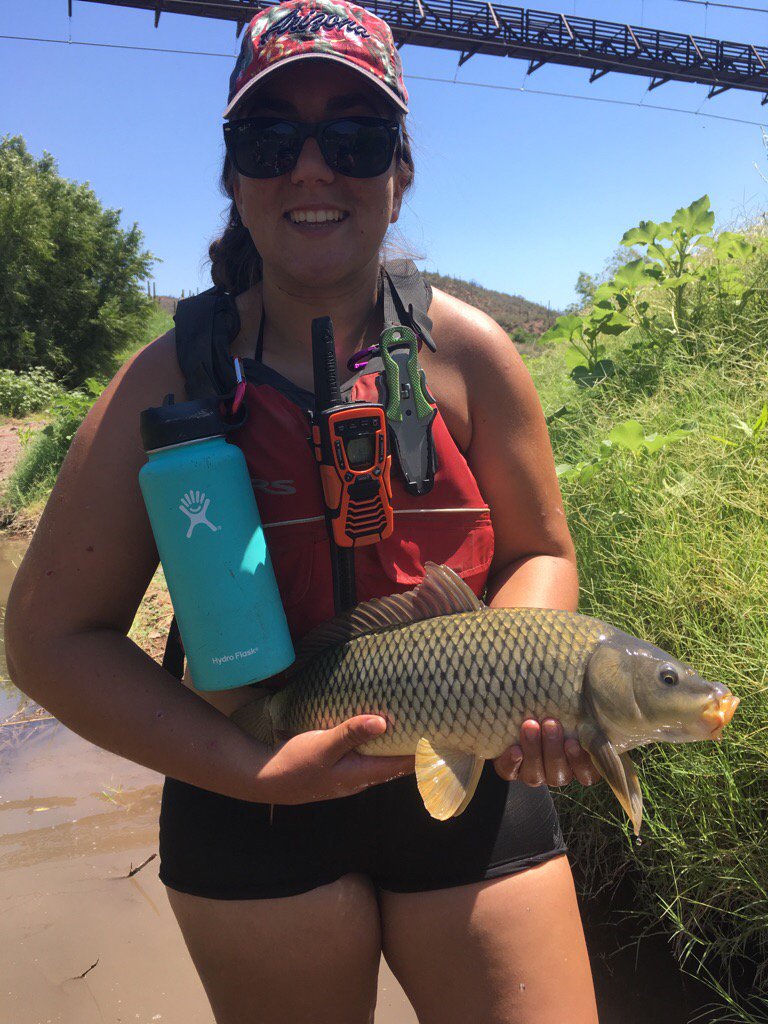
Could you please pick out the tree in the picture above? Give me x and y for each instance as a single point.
(70, 278)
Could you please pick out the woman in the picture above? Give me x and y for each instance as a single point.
(286, 921)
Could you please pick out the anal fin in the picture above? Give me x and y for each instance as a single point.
(447, 778)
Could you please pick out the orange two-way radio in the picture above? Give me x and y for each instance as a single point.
(350, 444)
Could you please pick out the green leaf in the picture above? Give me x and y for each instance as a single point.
(696, 219)
(561, 330)
(574, 358)
(604, 293)
(678, 282)
(628, 435)
(587, 378)
(645, 232)
(581, 375)
(733, 246)
(632, 275)
(660, 252)
(568, 324)
(655, 441)
(588, 472)
(617, 325)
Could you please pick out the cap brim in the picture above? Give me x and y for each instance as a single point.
(240, 95)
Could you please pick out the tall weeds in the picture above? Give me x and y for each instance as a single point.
(673, 547)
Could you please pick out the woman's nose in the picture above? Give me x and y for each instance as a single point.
(311, 165)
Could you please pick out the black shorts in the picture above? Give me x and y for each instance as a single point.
(222, 848)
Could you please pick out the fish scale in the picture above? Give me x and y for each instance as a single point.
(471, 679)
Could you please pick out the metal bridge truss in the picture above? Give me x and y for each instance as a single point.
(540, 37)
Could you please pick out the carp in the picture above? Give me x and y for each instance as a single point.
(456, 679)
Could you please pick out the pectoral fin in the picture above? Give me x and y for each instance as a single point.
(617, 770)
(447, 778)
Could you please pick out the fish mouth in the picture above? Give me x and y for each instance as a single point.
(719, 712)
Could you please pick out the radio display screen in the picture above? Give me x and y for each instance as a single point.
(360, 450)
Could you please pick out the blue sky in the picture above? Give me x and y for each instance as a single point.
(515, 190)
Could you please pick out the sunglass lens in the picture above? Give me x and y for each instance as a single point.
(266, 151)
(356, 149)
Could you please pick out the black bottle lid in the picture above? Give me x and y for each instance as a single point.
(172, 423)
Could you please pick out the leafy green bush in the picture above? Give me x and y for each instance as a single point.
(23, 393)
(70, 294)
(666, 297)
(36, 472)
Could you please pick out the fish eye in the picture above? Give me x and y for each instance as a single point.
(668, 676)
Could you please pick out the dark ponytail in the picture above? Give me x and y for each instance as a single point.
(235, 260)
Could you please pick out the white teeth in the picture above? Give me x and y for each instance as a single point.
(315, 216)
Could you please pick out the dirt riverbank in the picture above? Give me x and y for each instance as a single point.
(23, 524)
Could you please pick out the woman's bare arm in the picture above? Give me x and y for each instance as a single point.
(75, 597)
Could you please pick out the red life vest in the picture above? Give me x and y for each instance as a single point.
(450, 525)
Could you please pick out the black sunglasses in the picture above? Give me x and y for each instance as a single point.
(266, 147)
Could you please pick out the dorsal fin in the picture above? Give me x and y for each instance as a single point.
(441, 592)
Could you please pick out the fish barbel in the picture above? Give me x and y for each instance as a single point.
(455, 680)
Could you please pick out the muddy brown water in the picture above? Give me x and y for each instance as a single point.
(84, 944)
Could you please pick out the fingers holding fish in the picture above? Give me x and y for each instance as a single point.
(324, 764)
(546, 757)
(539, 759)
(508, 764)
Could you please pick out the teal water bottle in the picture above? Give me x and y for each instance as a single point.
(206, 524)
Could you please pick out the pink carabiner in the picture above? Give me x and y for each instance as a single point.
(240, 389)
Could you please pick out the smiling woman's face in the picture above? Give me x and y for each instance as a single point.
(291, 247)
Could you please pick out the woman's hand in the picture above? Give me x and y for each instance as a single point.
(323, 764)
(542, 757)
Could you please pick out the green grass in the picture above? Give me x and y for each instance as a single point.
(673, 547)
(158, 323)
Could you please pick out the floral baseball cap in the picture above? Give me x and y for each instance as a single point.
(329, 29)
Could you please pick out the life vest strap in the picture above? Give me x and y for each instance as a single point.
(207, 324)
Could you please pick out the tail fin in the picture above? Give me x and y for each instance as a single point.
(255, 718)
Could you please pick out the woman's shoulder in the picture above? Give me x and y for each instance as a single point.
(143, 380)
(471, 340)
(486, 374)
(153, 371)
